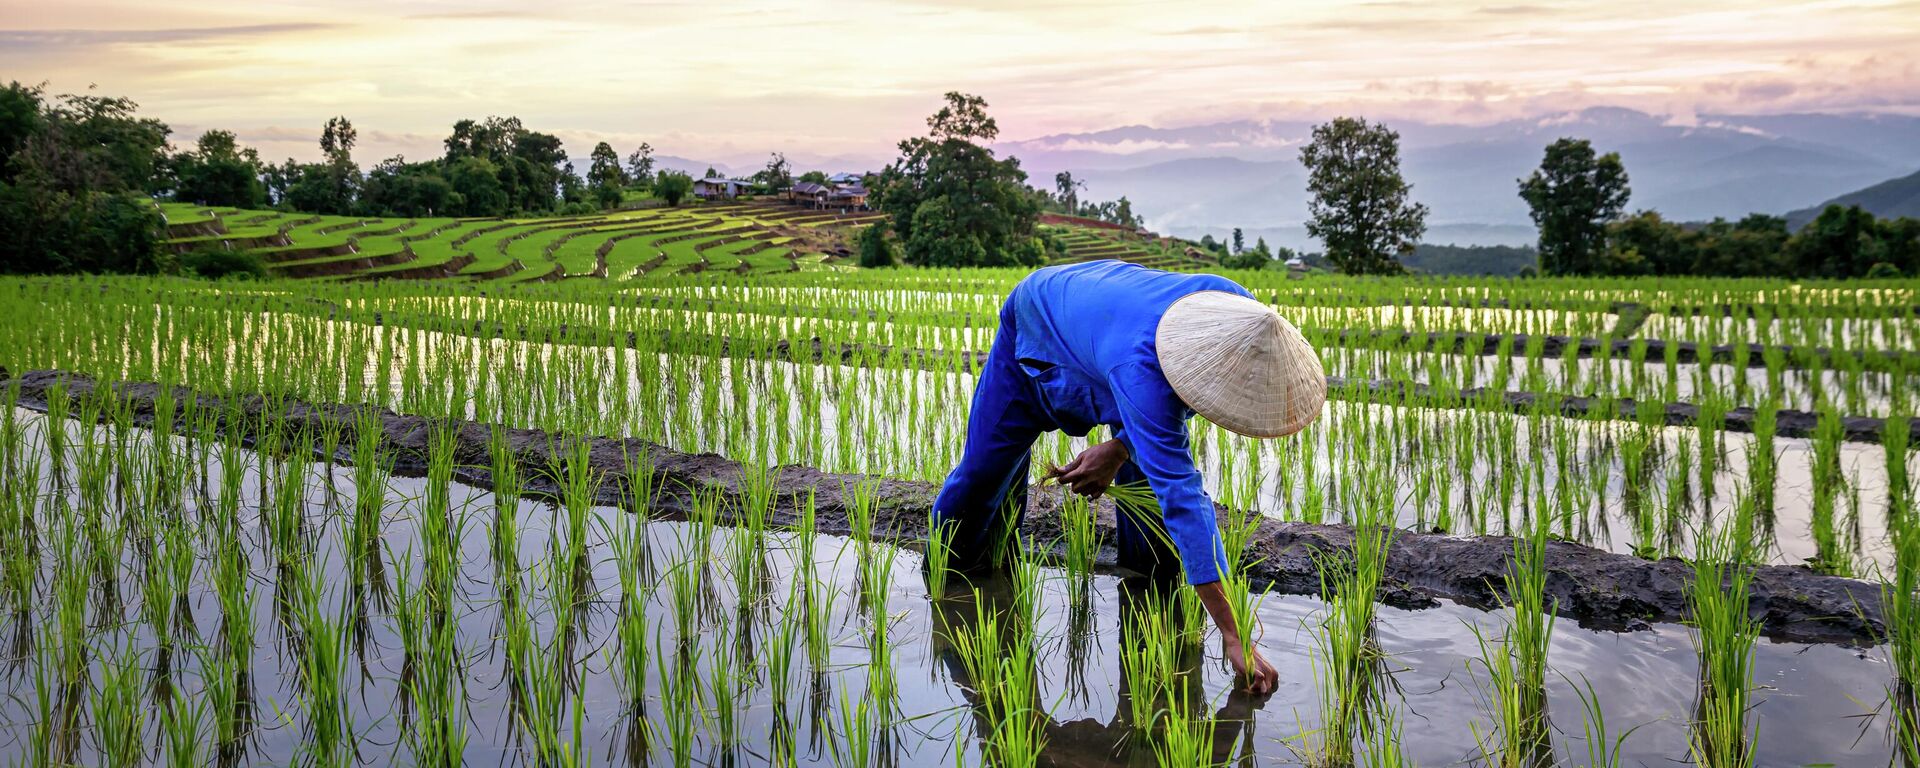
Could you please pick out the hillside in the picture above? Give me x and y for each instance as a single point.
(1893, 197)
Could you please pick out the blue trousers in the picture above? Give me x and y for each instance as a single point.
(985, 497)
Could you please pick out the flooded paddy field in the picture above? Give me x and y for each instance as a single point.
(818, 644)
(195, 569)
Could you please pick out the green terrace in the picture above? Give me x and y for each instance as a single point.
(735, 238)
(739, 238)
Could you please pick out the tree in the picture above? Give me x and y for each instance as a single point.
(1123, 213)
(1239, 240)
(338, 137)
(672, 186)
(816, 177)
(875, 250)
(710, 174)
(1840, 242)
(396, 187)
(951, 202)
(218, 172)
(605, 168)
(74, 185)
(607, 179)
(1572, 197)
(640, 164)
(1069, 190)
(777, 174)
(529, 166)
(1257, 257)
(476, 183)
(1359, 208)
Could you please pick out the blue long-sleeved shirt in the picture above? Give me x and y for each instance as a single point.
(1086, 337)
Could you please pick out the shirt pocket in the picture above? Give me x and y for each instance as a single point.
(1066, 396)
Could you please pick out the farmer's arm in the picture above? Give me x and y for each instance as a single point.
(1154, 427)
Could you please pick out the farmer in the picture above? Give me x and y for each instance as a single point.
(1140, 351)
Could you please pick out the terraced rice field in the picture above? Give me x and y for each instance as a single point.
(736, 238)
(1085, 243)
(682, 521)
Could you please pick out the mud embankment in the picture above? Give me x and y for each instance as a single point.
(1597, 589)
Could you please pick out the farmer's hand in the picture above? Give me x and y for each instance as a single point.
(1092, 471)
(1260, 678)
(1252, 669)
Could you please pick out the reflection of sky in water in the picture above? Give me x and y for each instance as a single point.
(1644, 679)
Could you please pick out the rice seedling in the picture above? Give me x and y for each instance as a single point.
(505, 473)
(1900, 610)
(1724, 632)
(1148, 663)
(679, 695)
(1184, 739)
(1082, 539)
(119, 709)
(323, 644)
(1347, 660)
(938, 559)
(182, 722)
(1831, 555)
(1516, 664)
(855, 747)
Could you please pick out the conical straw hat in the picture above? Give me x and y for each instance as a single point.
(1240, 364)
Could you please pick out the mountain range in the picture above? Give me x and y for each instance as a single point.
(1208, 179)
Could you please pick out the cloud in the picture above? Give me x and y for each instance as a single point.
(80, 38)
(1121, 147)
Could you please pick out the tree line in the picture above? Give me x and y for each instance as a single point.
(1578, 199)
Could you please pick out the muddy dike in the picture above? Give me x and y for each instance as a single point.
(1599, 590)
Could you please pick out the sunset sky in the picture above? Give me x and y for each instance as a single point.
(733, 79)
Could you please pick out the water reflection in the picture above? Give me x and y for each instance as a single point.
(1090, 741)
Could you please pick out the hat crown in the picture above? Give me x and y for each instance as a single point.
(1240, 364)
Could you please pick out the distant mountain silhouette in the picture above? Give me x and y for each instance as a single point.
(1210, 178)
(1893, 197)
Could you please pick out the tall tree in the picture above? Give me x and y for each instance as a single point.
(1572, 196)
(777, 174)
(1360, 208)
(331, 186)
(218, 172)
(951, 202)
(338, 137)
(640, 164)
(672, 186)
(1239, 240)
(605, 177)
(1069, 190)
(605, 167)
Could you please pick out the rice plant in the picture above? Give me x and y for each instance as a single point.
(1724, 632)
(1516, 664)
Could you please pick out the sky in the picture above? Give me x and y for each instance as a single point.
(729, 79)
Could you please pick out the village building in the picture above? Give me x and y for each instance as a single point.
(717, 188)
(840, 196)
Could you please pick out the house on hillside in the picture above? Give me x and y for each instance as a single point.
(808, 193)
(843, 179)
(717, 188)
(853, 196)
(814, 195)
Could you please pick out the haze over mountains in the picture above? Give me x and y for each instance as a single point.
(1210, 178)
